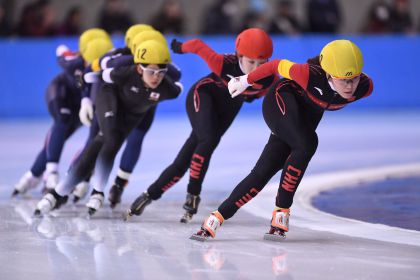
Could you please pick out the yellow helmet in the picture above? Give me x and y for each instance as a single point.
(152, 52)
(341, 59)
(96, 48)
(89, 35)
(145, 36)
(133, 31)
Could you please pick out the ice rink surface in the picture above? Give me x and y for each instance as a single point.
(354, 147)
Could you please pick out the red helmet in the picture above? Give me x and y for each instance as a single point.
(254, 43)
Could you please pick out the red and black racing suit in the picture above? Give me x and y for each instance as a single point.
(211, 111)
(292, 110)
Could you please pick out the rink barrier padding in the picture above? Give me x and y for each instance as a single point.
(27, 66)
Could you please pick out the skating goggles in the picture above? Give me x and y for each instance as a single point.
(344, 82)
(152, 72)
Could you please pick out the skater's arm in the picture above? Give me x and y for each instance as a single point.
(283, 67)
(174, 72)
(118, 60)
(117, 75)
(70, 62)
(172, 89)
(213, 59)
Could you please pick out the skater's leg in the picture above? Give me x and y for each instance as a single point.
(32, 178)
(174, 172)
(114, 128)
(81, 169)
(270, 162)
(64, 110)
(82, 188)
(210, 120)
(296, 127)
(38, 167)
(169, 177)
(60, 132)
(130, 157)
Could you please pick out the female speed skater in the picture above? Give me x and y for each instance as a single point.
(121, 104)
(292, 110)
(211, 111)
(63, 101)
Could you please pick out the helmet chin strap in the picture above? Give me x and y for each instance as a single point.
(332, 85)
(329, 77)
(240, 65)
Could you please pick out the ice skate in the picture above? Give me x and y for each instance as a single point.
(279, 225)
(49, 202)
(51, 181)
(115, 195)
(27, 181)
(95, 202)
(191, 207)
(209, 227)
(80, 191)
(138, 206)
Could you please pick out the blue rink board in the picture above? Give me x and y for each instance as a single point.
(393, 202)
(24, 78)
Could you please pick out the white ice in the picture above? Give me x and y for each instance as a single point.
(66, 245)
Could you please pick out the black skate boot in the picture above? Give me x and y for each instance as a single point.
(51, 201)
(191, 207)
(80, 191)
(115, 194)
(50, 182)
(95, 202)
(138, 206)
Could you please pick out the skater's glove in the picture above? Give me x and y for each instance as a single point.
(92, 77)
(86, 111)
(61, 50)
(181, 87)
(250, 97)
(78, 77)
(176, 46)
(237, 85)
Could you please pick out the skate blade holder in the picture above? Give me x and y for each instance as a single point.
(199, 237)
(15, 193)
(76, 199)
(113, 206)
(37, 214)
(127, 215)
(186, 218)
(274, 237)
(91, 213)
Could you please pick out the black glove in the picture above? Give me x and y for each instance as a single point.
(78, 77)
(250, 97)
(123, 51)
(176, 46)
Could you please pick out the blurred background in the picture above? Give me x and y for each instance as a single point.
(46, 18)
(387, 31)
(377, 131)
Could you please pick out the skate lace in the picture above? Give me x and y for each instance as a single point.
(211, 224)
(280, 220)
(96, 200)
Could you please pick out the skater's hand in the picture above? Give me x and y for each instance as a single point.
(181, 86)
(92, 77)
(237, 85)
(86, 111)
(176, 46)
(78, 77)
(61, 50)
(250, 97)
